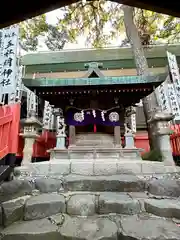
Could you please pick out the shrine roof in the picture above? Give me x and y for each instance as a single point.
(47, 82)
(70, 60)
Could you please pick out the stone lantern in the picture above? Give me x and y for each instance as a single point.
(160, 128)
(30, 133)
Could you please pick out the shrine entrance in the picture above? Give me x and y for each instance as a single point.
(93, 128)
(93, 134)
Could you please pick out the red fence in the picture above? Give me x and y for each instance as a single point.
(48, 140)
(9, 129)
(44, 142)
(175, 139)
(142, 141)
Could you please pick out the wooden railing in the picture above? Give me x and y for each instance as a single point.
(9, 129)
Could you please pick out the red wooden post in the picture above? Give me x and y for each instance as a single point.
(15, 127)
(9, 129)
(46, 141)
(142, 141)
(6, 117)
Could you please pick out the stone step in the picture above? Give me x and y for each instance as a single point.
(86, 204)
(169, 208)
(114, 183)
(94, 168)
(72, 182)
(163, 187)
(63, 213)
(81, 204)
(91, 137)
(109, 227)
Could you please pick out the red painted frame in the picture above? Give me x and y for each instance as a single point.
(9, 129)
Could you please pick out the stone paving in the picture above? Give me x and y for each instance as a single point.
(41, 205)
(92, 167)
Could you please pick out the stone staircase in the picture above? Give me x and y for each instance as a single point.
(116, 201)
(97, 146)
(94, 140)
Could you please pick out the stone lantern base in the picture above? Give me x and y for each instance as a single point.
(30, 134)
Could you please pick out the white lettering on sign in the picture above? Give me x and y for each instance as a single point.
(8, 59)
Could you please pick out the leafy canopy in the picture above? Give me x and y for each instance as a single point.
(100, 22)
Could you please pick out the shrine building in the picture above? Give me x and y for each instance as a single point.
(96, 88)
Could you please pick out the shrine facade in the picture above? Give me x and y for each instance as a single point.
(97, 93)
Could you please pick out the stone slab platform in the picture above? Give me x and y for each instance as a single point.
(44, 205)
(78, 195)
(85, 204)
(86, 153)
(92, 167)
(111, 227)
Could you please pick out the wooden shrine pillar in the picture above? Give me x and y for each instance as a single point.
(117, 136)
(72, 135)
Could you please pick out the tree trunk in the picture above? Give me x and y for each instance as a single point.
(149, 102)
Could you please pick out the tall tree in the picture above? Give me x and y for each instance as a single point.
(149, 102)
(101, 21)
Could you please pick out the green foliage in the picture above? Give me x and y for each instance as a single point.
(91, 19)
(147, 23)
(153, 155)
(171, 29)
(55, 39)
(30, 31)
(99, 22)
(102, 21)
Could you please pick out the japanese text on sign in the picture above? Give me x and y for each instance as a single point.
(9, 60)
(175, 74)
(173, 102)
(163, 97)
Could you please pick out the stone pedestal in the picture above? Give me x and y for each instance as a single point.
(72, 135)
(117, 136)
(60, 142)
(129, 140)
(30, 134)
(166, 150)
(60, 129)
(91, 154)
(160, 124)
(92, 140)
